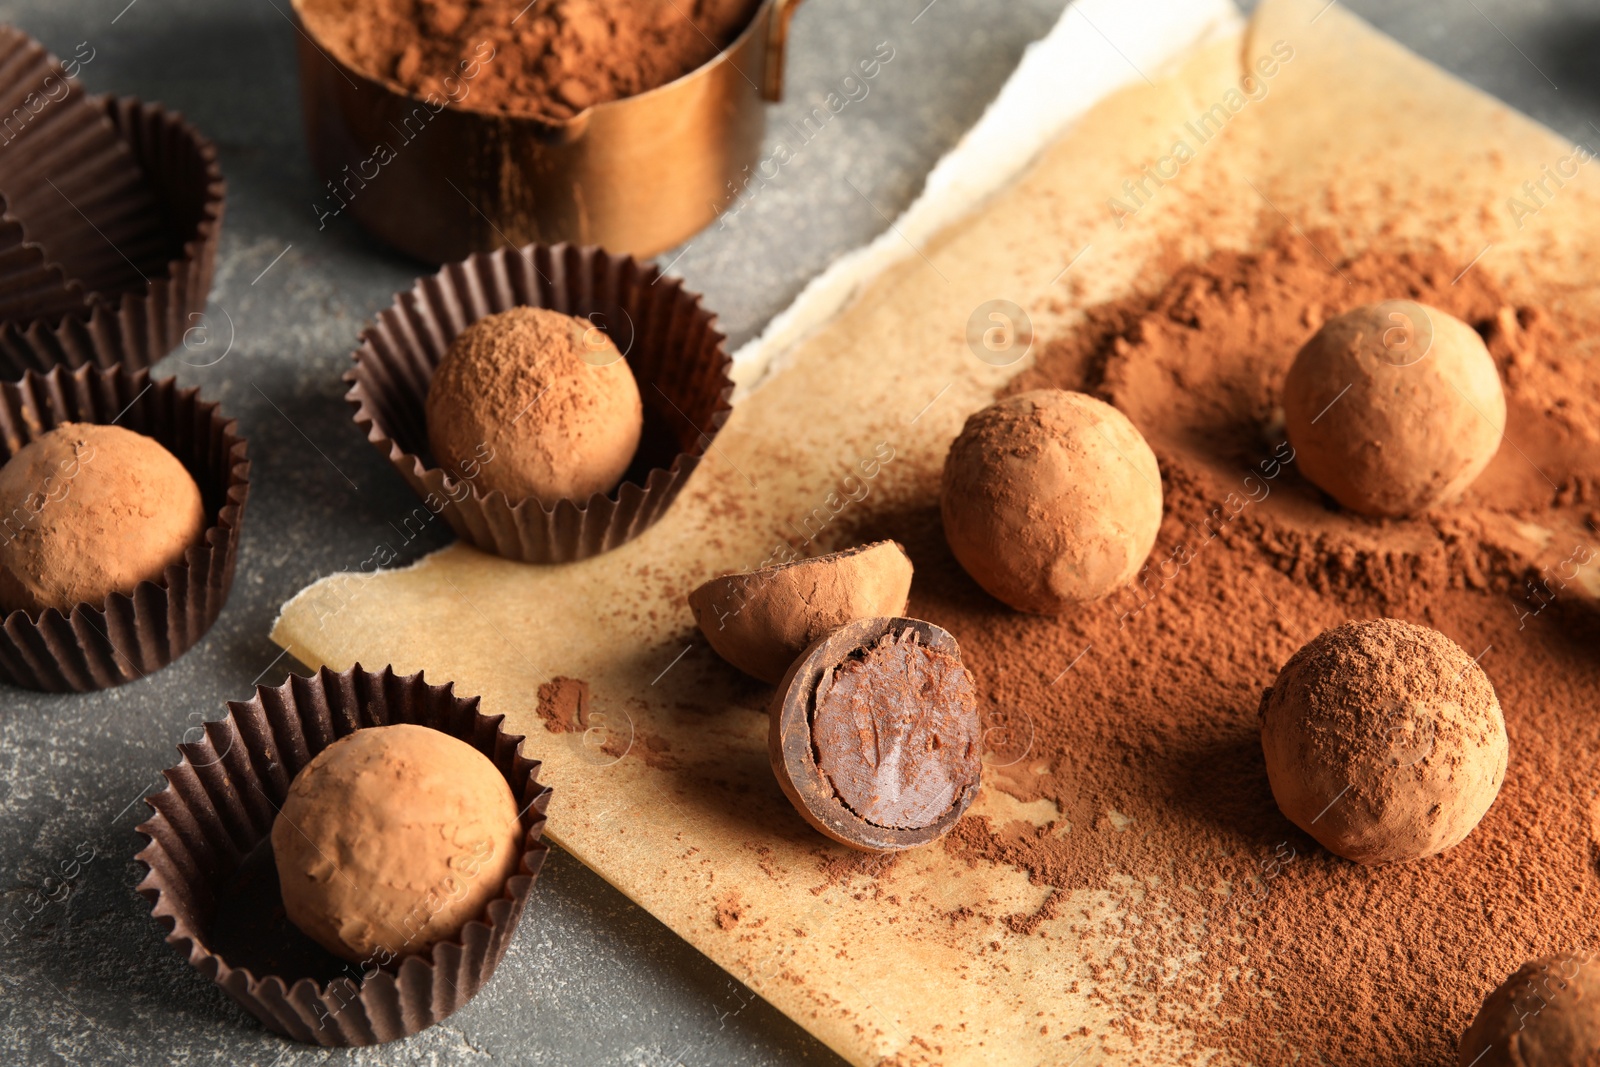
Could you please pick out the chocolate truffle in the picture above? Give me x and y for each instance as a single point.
(875, 736)
(87, 511)
(1547, 1014)
(1393, 408)
(1383, 740)
(535, 404)
(1050, 499)
(761, 620)
(393, 838)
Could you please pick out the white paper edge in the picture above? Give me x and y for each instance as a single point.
(1093, 50)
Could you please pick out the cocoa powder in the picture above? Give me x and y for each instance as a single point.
(564, 705)
(550, 58)
(1230, 927)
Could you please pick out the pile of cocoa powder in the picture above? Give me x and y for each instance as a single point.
(549, 58)
(1138, 716)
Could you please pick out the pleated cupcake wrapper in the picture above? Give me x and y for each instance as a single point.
(72, 183)
(220, 803)
(130, 635)
(669, 340)
(167, 227)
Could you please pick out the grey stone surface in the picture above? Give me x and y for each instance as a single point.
(591, 979)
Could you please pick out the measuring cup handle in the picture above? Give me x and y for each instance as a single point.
(777, 46)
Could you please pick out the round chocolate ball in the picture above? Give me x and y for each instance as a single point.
(535, 404)
(1383, 740)
(1547, 1014)
(1393, 408)
(87, 511)
(1050, 499)
(393, 838)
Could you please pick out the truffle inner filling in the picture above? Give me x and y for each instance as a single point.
(895, 732)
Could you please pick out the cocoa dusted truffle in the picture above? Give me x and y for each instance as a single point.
(1050, 499)
(1383, 740)
(391, 839)
(761, 620)
(87, 511)
(875, 736)
(1547, 1014)
(1393, 408)
(538, 405)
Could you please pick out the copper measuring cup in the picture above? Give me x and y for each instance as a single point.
(636, 176)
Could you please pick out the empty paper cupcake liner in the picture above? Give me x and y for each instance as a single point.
(86, 216)
(669, 340)
(132, 634)
(166, 226)
(212, 883)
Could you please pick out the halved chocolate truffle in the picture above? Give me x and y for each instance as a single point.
(761, 620)
(875, 736)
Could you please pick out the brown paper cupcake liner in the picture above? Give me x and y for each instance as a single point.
(171, 238)
(30, 285)
(669, 340)
(212, 884)
(96, 646)
(74, 187)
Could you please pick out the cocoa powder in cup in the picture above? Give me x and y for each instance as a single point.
(550, 58)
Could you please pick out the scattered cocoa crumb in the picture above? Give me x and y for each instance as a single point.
(564, 705)
(729, 910)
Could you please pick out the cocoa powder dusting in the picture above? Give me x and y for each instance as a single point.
(729, 910)
(564, 705)
(1226, 921)
(551, 58)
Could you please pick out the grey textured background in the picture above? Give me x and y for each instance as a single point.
(591, 979)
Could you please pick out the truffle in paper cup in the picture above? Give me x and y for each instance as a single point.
(137, 631)
(212, 883)
(168, 225)
(671, 344)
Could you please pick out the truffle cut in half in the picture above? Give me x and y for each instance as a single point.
(875, 736)
(761, 620)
